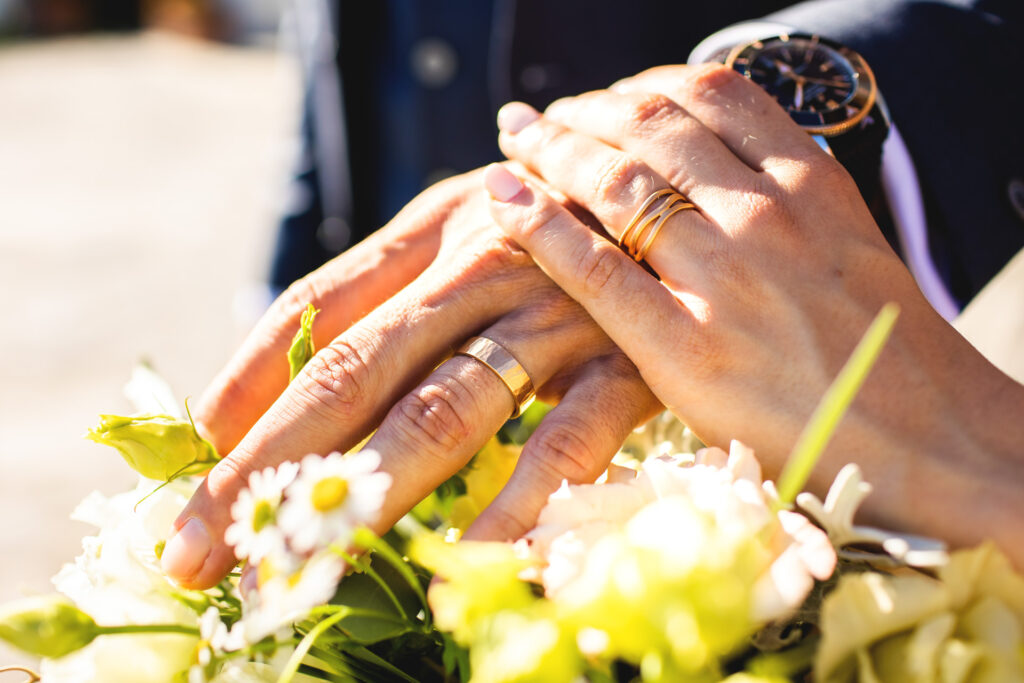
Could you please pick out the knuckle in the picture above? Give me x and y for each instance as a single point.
(293, 300)
(431, 417)
(229, 476)
(708, 80)
(540, 215)
(832, 178)
(620, 179)
(337, 378)
(600, 267)
(649, 110)
(509, 522)
(565, 452)
(554, 143)
(553, 311)
(619, 368)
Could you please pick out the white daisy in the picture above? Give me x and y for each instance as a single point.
(284, 596)
(331, 497)
(254, 533)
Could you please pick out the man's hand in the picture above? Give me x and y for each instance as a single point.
(393, 307)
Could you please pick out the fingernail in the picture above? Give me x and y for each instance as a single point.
(502, 185)
(515, 116)
(186, 551)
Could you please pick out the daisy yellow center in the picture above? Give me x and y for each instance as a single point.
(262, 515)
(329, 493)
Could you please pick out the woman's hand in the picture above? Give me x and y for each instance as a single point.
(765, 288)
(393, 308)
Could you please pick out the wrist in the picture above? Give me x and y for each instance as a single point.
(951, 459)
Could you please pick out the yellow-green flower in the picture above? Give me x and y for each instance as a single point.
(965, 625)
(156, 446)
(480, 580)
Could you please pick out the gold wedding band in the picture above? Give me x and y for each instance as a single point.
(653, 219)
(505, 366)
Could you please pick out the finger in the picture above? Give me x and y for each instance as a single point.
(340, 396)
(746, 118)
(639, 314)
(345, 290)
(608, 182)
(432, 432)
(673, 143)
(575, 442)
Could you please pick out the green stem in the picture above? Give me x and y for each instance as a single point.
(833, 405)
(307, 642)
(149, 628)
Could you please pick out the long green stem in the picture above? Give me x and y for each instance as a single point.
(149, 628)
(833, 405)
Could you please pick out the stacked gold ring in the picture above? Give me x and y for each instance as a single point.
(649, 219)
(505, 366)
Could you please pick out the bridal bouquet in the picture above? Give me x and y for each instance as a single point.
(680, 564)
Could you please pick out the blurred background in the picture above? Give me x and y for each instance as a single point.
(144, 151)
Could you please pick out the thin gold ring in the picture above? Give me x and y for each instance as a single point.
(647, 218)
(506, 367)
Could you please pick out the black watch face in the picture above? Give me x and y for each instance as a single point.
(825, 88)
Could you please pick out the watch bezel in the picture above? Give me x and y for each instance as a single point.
(833, 122)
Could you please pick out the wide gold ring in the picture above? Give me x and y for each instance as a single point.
(649, 219)
(506, 367)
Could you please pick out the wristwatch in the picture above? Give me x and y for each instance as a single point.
(827, 88)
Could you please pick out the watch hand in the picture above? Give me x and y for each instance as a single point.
(784, 69)
(823, 81)
(798, 98)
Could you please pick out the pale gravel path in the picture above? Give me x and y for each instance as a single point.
(139, 177)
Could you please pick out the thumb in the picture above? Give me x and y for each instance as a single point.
(195, 555)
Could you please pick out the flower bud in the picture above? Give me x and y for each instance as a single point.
(302, 348)
(156, 446)
(46, 626)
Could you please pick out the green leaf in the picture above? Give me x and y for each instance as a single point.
(302, 348)
(455, 657)
(362, 591)
(361, 653)
(368, 540)
(833, 405)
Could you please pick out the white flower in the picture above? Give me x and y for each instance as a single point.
(118, 578)
(118, 581)
(836, 515)
(283, 596)
(331, 497)
(254, 534)
(656, 509)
